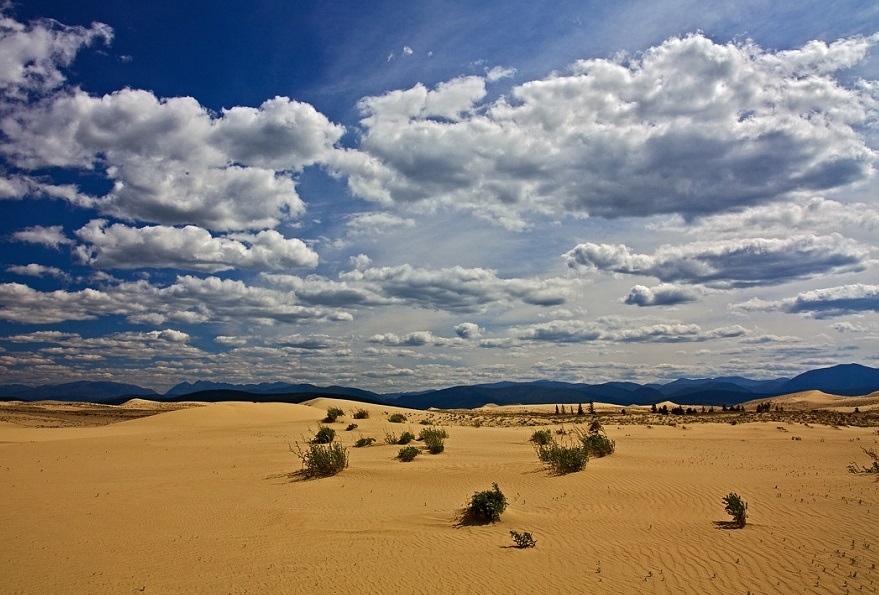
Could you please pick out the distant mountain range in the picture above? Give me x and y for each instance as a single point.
(846, 380)
(92, 392)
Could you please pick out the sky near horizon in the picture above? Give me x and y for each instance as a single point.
(409, 197)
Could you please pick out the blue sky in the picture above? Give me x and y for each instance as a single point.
(401, 198)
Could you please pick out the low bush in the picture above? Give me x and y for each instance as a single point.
(406, 438)
(523, 540)
(324, 435)
(361, 442)
(407, 453)
(434, 439)
(333, 413)
(541, 437)
(351, 427)
(563, 458)
(396, 418)
(322, 460)
(736, 508)
(360, 414)
(595, 441)
(488, 505)
(427, 433)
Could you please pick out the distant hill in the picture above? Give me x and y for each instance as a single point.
(94, 392)
(224, 395)
(7, 390)
(269, 388)
(845, 379)
(848, 380)
(851, 379)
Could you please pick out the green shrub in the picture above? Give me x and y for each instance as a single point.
(595, 441)
(406, 438)
(391, 438)
(425, 422)
(523, 539)
(396, 418)
(322, 460)
(351, 427)
(324, 435)
(541, 437)
(361, 442)
(434, 439)
(426, 433)
(563, 458)
(598, 445)
(333, 413)
(488, 505)
(736, 508)
(360, 414)
(407, 453)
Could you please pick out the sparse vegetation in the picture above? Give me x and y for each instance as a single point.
(407, 453)
(541, 437)
(523, 540)
(488, 505)
(333, 413)
(396, 418)
(563, 458)
(406, 438)
(324, 435)
(736, 508)
(321, 460)
(873, 468)
(595, 441)
(361, 442)
(360, 414)
(434, 439)
(351, 427)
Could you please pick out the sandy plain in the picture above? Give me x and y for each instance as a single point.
(205, 499)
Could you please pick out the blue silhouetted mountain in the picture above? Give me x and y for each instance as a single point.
(294, 393)
(9, 390)
(92, 392)
(845, 379)
(540, 392)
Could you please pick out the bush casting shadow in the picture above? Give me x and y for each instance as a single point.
(320, 460)
(485, 507)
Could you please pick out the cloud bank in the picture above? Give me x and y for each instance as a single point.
(690, 127)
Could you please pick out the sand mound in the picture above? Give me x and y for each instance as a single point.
(817, 400)
(232, 414)
(349, 406)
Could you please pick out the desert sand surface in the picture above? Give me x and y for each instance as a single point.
(815, 400)
(206, 500)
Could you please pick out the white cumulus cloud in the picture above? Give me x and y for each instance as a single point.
(690, 126)
(122, 247)
(33, 55)
(727, 263)
(172, 161)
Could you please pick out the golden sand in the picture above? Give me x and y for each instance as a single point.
(204, 500)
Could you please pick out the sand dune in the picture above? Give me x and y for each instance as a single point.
(203, 500)
(815, 400)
